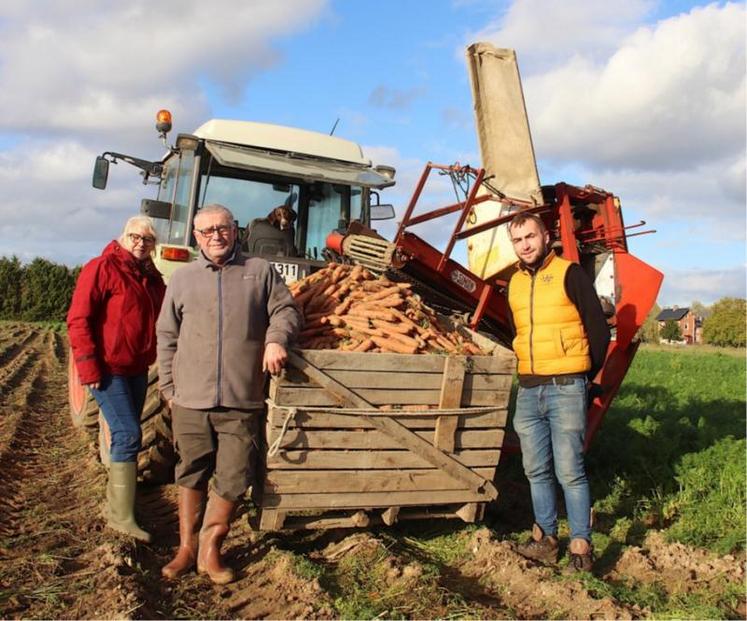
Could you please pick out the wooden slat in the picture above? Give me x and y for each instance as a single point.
(318, 397)
(292, 482)
(398, 380)
(403, 363)
(271, 519)
(341, 460)
(389, 516)
(391, 427)
(451, 397)
(373, 439)
(371, 499)
(411, 420)
(468, 512)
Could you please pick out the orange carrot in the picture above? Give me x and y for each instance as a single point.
(391, 345)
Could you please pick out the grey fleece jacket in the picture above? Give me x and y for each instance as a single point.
(213, 326)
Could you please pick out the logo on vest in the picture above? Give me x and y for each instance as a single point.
(547, 278)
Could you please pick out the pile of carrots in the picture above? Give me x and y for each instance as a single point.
(348, 308)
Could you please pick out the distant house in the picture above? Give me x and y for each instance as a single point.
(690, 324)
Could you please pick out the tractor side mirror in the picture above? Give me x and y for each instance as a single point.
(382, 212)
(100, 172)
(155, 209)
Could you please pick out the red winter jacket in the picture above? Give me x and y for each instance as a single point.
(112, 316)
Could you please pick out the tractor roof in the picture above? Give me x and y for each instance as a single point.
(281, 138)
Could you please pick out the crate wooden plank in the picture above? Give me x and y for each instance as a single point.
(411, 420)
(403, 363)
(389, 426)
(372, 439)
(370, 499)
(341, 460)
(318, 397)
(452, 388)
(398, 380)
(292, 482)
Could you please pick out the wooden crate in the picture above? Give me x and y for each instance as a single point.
(355, 439)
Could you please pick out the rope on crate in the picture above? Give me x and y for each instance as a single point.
(275, 447)
(478, 409)
(292, 411)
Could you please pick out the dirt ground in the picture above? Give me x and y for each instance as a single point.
(58, 561)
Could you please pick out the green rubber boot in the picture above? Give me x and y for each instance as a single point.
(120, 493)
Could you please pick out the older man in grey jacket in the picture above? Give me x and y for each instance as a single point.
(226, 320)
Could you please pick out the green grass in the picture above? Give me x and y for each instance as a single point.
(671, 451)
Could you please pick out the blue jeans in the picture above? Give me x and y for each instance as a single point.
(550, 420)
(121, 400)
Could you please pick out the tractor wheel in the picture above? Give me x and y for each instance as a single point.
(156, 458)
(84, 411)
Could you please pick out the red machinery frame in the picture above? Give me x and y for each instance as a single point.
(582, 220)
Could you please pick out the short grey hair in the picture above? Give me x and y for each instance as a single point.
(522, 218)
(215, 208)
(139, 222)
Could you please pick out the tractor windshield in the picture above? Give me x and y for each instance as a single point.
(320, 207)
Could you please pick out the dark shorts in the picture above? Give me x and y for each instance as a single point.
(220, 443)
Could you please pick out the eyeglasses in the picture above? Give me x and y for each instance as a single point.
(146, 239)
(221, 229)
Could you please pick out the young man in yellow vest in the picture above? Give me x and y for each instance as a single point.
(561, 338)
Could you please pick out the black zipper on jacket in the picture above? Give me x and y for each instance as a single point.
(220, 335)
(531, 324)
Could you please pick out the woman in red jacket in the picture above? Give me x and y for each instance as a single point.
(111, 327)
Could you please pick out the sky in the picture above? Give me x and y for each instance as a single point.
(645, 99)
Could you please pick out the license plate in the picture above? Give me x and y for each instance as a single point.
(289, 271)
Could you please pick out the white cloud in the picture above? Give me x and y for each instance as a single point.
(546, 33)
(671, 97)
(98, 66)
(713, 193)
(384, 96)
(683, 286)
(82, 77)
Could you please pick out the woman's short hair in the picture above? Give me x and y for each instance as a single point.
(141, 223)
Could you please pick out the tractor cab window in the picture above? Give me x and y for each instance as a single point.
(248, 200)
(331, 206)
(175, 188)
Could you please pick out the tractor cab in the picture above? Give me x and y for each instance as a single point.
(319, 183)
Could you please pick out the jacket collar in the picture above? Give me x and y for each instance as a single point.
(117, 253)
(234, 258)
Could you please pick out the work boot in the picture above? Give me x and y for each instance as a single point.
(190, 508)
(215, 527)
(581, 556)
(120, 495)
(541, 547)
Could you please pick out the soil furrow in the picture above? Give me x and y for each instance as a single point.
(15, 347)
(57, 559)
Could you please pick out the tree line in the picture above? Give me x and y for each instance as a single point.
(724, 324)
(37, 291)
(41, 291)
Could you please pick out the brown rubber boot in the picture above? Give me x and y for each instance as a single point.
(581, 556)
(190, 507)
(541, 547)
(215, 527)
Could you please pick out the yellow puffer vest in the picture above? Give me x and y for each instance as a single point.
(550, 336)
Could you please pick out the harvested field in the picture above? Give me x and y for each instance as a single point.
(58, 561)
